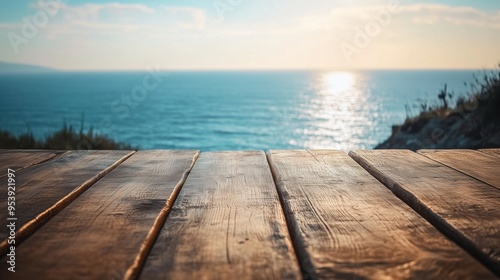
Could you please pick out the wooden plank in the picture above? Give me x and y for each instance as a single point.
(479, 165)
(227, 223)
(20, 159)
(492, 152)
(44, 190)
(466, 210)
(349, 226)
(100, 234)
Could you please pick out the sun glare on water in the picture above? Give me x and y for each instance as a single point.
(338, 111)
(337, 82)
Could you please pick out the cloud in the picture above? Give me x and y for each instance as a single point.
(134, 32)
(350, 17)
(92, 12)
(467, 16)
(344, 18)
(189, 18)
(118, 7)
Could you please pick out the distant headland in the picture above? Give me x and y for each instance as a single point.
(17, 68)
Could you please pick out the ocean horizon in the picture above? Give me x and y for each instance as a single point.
(225, 110)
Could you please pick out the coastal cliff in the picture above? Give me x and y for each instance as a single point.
(473, 123)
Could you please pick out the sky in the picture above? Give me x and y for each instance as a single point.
(245, 34)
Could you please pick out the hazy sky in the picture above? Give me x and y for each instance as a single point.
(251, 34)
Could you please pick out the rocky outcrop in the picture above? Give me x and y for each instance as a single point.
(472, 124)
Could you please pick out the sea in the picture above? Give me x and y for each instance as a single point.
(225, 110)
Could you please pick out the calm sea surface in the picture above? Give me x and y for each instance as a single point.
(223, 110)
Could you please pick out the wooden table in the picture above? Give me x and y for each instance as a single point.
(304, 214)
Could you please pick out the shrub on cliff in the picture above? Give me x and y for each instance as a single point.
(474, 122)
(65, 138)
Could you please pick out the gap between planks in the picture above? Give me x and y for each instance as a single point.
(134, 270)
(99, 235)
(30, 227)
(480, 166)
(346, 224)
(469, 215)
(493, 152)
(13, 159)
(226, 223)
(306, 265)
(154, 231)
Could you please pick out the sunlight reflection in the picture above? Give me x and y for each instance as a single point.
(339, 112)
(338, 82)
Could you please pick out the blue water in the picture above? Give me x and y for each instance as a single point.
(223, 110)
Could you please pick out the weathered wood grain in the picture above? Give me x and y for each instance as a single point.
(466, 210)
(44, 190)
(20, 159)
(227, 223)
(493, 152)
(99, 235)
(349, 226)
(479, 165)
